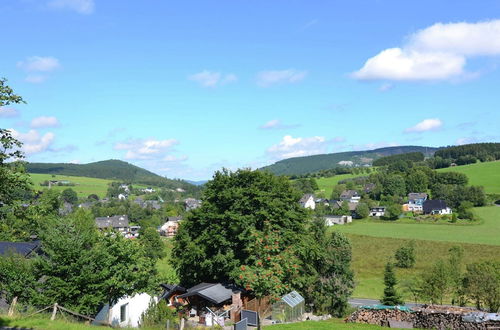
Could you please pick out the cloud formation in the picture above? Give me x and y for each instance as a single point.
(295, 147)
(276, 124)
(273, 77)
(44, 121)
(7, 112)
(146, 149)
(38, 67)
(33, 141)
(80, 6)
(439, 52)
(212, 79)
(432, 124)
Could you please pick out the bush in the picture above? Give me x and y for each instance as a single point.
(405, 256)
(158, 314)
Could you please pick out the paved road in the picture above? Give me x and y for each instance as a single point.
(356, 302)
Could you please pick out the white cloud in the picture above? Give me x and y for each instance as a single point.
(172, 158)
(276, 124)
(39, 64)
(44, 121)
(211, 79)
(268, 78)
(7, 112)
(80, 6)
(146, 149)
(439, 52)
(385, 87)
(295, 147)
(35, 79)
(425, 125)
(33, 141)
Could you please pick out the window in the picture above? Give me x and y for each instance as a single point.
(123, 312)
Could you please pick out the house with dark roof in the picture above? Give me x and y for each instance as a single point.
(308, 201)
(116, 222)
(350, 196)
(436, 206)
(26, 249)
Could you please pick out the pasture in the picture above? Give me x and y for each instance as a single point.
(480, 174)
(83, 186)
(486, 230)
(326, 184)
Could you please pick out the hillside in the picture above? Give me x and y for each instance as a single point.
(480, 174)
(83, 186)
(308, 164)
(108, 169)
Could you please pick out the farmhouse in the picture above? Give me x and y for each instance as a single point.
(331, 220)
(169, 228)
(415, 202)
(126, 312)
(117, 222)
(378, 211)
(308, 202)
(350, 196)
(436, 206)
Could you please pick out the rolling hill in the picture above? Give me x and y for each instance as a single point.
(111, 170)
(308, 164)
(480, 174)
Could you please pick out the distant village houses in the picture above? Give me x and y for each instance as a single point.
(436, 207)
(191, 204)
(350, 196)
(307, 201)
(415, 202)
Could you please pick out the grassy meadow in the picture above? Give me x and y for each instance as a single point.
(329, 324)
(326, 184)
(480, 174)
(83, 186)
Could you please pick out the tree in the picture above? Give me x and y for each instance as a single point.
(394, 185)
(482, 284)
(152, 244)
(417, 181)
(213, 241)
(436, 282)
(68, 195)
(337, 191)
(392, 212)
(17, 277)
(455, 265)
(391, 296)
(362, 210)
(405, 256)
(158, 314)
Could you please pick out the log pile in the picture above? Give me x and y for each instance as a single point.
(427, 317)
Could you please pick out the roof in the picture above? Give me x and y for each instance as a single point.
(305, 198)
(23, 248)
(348, 194)
(116, 221)
(434, 204)
(292, 299)
(216, 293)
(175, 219)
(170, 289)
(413, 196)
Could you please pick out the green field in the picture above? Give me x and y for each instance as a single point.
(326, 184)
(484, 231)
(480, 174)
(83, 186)
(329, 324)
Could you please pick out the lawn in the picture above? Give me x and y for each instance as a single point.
(83, 186)
(326, 184)
(165, 270)
(485, 231)
(480, 174)
(370, 254)
(329, 324)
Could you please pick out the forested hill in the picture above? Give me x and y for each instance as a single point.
(108, 169)
(308, 164)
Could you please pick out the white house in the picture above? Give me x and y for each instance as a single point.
(331, 220)
(308, 202)
(122, 197)
(378, 211)
(148, 190)
(350, 196)
(436, 206)
(126, 312)
(125, 188)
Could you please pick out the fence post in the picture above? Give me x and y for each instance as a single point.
(54, 311)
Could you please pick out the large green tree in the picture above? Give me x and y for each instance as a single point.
(391, 297)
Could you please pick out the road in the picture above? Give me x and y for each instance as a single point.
(357, 302)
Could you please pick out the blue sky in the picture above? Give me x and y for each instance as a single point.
(186, 87)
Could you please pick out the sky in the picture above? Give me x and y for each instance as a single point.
(184, 88)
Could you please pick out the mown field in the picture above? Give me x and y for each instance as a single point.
(83, 186)
(486, 230)
(480, 174)
(326, 184)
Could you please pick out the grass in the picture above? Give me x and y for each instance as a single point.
(370, 254)
(329, 324)
(165, 269)
(83, 186)
(480, 174)
(43, 322)
(326, 184)
(484, 231)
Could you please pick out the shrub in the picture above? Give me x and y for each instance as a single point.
(405, 256)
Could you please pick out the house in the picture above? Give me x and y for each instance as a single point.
(148, 190)
(351, 196)
(117, 222)
(180, 190)
(378, 211)
(171, 292)
(308, 202)
(25, 249)
(436, 206)
(415, 202)
(125, 188)
(331, 220)
(169, 228)
(152, 204)
(191, 204)
(122, 197)
(322, 201)
(65, 209)
(126, 312)
(369, 187)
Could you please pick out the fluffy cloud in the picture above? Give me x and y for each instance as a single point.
(268, 78)
(44, 121)
(6, 112)
(276, 124)
(295, 147)
(39, 64)
(425, 125)
(146, 149)
(80, 6)
(33, 141)
(438, 52)
(211, 79)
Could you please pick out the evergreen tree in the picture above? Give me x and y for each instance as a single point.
(391, 296)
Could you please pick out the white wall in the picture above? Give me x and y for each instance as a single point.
(137, 305)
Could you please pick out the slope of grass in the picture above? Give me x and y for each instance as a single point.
(329, 324)
(84, 186)
(484, 231)
(165, 270)
(326, 184)
(480, 174)
(370, 254)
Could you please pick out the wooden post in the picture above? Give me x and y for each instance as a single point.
(54, 311)
(12, 307)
